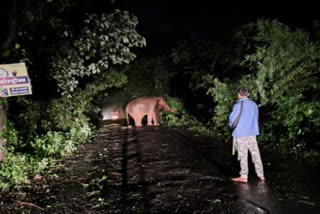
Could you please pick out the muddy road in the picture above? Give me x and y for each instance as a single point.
(159, 170)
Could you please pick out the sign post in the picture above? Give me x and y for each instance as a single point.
(14, 80)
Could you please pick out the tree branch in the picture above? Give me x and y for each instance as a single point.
(12, 32)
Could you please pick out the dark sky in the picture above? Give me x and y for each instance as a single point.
(207, 19)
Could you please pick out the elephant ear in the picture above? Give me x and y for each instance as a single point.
(158, 102)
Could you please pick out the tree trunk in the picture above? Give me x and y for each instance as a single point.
(3, 151)
(12, 29)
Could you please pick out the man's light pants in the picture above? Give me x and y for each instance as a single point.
(243, 145)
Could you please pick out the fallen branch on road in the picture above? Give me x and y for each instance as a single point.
(21, 203)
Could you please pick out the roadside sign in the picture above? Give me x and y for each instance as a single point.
(14, 80)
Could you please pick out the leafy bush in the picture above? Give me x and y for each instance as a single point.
(19, 166)
(56, 144)
(283, 80)
(181, 118)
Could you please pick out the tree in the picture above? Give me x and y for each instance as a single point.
(104, 39)
(194, 61)
(283, 78)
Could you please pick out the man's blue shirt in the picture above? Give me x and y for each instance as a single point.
(248, 124)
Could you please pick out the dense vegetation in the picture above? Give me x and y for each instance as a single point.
(78, 54)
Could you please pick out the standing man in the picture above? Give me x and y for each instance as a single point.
(244, 117)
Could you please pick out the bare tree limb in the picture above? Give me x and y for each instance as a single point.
(21, 203)
(12, 32)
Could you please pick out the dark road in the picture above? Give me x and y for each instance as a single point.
(160, 170)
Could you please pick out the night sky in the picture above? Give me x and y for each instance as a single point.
(165, 21)
(207, 20)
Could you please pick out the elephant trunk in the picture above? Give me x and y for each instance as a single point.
(167, 108)
(171, 110)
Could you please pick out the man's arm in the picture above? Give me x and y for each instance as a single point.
(235, 112)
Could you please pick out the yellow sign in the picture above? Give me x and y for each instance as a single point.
(14, 80)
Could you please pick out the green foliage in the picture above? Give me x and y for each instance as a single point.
(19, 166)
(162, 74)
(29, 153)
(148, 77)
(181, 118)
(15, 54)
(285, 61)
(194, 59)
(283, 81)
(104, 40)
(14, 170)
(224, 95)
(11, 136)
(56, 144)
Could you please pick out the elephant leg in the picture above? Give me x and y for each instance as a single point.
(138, 120)
(155, 116)
(149, 118)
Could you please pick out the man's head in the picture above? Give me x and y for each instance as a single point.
(243, 93)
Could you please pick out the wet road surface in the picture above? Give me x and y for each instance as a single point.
(160, 170)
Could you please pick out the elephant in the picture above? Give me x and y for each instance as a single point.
(149, 106)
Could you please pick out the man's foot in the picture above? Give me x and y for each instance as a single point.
(240, 179)
(262, 178)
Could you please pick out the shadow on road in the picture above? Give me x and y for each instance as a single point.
(132, 134)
